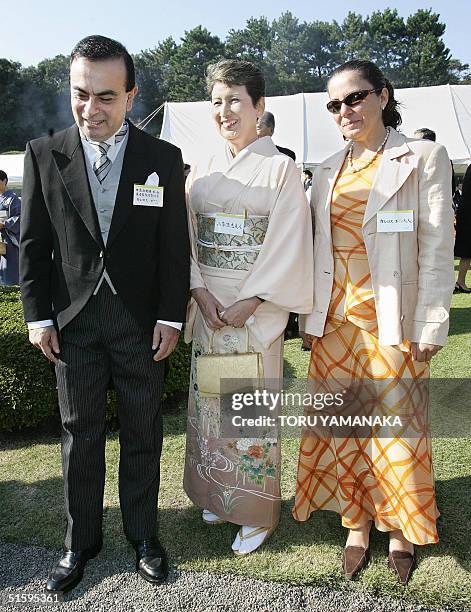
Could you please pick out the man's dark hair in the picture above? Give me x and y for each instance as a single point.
(98, 47)
(268, 119)
(425, 134)
(3, 176)
(308, 172)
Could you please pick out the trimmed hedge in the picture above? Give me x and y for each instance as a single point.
(27, 384)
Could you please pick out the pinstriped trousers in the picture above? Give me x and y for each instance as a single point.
(105, 342)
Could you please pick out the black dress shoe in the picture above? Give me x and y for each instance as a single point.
(68, 571)
(151, 560)
(460, 289)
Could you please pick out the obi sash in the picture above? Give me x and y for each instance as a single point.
(227, 251)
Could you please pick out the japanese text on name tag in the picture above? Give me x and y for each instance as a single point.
(229, 224)
(148, 195)
(395, 221)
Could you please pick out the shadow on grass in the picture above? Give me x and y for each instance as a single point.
(33, 514)
(47, 432)
(288, 370)
(453, 497)
(460, 320)
(324, 527)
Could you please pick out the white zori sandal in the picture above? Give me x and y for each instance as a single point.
(212, 519)
(249, 539)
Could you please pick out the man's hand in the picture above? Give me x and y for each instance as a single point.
(424, 352)
(237, 314)
(46, 340)
(165, 339)
(2, 225)
(210, 308)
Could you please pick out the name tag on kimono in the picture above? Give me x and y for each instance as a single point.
(395, 221)
(148, 195)
(229, 224)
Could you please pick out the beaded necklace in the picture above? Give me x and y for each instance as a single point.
(377, 152)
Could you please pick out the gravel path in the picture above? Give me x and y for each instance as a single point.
(112, 585)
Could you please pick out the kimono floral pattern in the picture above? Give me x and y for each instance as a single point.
(255, 460)
(252, 462)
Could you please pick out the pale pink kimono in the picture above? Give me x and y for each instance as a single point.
(239, 478)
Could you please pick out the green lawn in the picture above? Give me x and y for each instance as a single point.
(31, 506)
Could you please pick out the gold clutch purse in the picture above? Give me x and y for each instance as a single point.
(3, 248)
(240, 371)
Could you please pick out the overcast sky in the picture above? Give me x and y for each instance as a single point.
(32, 31)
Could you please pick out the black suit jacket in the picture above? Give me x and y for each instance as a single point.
(62, 254)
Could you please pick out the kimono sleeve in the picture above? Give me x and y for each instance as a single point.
(283, 272)
(196, 278)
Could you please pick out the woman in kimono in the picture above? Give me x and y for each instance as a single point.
(253, 279)
(383, 284)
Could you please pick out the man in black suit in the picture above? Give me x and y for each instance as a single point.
(104, 261)
(266, 127)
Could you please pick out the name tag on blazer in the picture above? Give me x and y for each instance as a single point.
(148, 195)
(395, 221)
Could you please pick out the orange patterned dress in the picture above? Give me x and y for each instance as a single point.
(385, 479)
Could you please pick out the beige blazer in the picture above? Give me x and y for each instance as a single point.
(411, 272)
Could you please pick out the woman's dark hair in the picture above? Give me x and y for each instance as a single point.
(98, 47)
(371, 73)
(237, 72)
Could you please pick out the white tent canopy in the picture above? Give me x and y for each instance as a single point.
(13, 166)
(304, 124)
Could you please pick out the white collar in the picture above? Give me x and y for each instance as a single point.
(110, 140)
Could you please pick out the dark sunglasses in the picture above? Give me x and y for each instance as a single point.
(334, 106)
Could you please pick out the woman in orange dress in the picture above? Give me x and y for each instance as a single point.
(383, 280)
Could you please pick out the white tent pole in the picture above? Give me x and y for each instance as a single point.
(305, 135)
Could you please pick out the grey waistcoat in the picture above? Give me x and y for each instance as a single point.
(104, 197)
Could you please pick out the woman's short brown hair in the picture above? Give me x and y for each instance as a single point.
(237, 72)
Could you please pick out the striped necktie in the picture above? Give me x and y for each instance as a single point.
(102, 165)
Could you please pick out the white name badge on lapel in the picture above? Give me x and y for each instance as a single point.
(225, 223)
(395, 221)
(148, 195)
